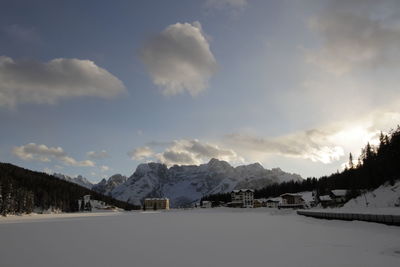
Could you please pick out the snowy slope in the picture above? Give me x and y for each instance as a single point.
(184, 185)
(383, 200)
(385, 196)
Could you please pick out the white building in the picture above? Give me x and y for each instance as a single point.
(243, 198)
(272, 203)
(206, 204)
(89, 204)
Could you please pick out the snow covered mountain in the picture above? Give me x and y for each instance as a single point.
(184, 185)
(80, 180)
(106, 186)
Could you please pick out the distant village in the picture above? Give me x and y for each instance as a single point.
(241, 198)
(244, 198)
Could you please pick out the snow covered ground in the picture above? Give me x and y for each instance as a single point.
(202, 237)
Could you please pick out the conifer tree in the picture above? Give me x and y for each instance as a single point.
(351, 164)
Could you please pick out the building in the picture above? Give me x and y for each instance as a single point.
(292, 201)
(156, 204)
(242, 198)
(270, 203)
(206, 204)
(325, 200)
(258, 203)
(86, 203)
(338, 196)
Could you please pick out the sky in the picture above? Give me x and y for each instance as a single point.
(95, 88)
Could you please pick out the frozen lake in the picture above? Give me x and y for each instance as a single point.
(191, 238)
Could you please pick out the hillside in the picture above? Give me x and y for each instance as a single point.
(22, 190)
(385, 196)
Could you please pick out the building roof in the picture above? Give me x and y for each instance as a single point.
(156, 198)
(243, 190)
(325, 198)
(290, 195)
(339, 192)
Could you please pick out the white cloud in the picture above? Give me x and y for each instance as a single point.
(220, 4)
(187, 152)
(179, 59)
(38, 82)
(97, 154)
(313, 145)
(44, 153)
(72, 162)
(141, 153)
(104, 168)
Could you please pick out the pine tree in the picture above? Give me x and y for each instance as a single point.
(351, 164)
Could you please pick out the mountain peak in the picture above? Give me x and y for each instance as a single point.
(218, 163)
(186, 184)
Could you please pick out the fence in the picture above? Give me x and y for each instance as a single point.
(377, 218)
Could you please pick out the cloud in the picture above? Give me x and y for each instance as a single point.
(358, 35)
(355, 68)
(326, 143)
(44, 153)
(186, 152)
(312, 144)
(97, 154)
(171, 157)
(220, 4)
(179, 59)
(141, 153)
(48, 82)
(104, 168)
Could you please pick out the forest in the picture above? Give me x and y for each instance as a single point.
(375, 166)
(22, 191)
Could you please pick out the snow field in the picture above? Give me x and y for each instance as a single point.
(201, 237)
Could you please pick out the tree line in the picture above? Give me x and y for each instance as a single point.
(375, 166)
(22, 191)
